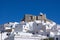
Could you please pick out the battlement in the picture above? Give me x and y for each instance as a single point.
(29, 17)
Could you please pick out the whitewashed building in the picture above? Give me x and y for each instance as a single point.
(32, 28)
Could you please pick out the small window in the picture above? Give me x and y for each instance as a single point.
(47, 35)
(37, 32)
(8, 34)
(36, 17)
(11, 26)
(33, 33)
(56, 38)
(16, 32)
(37, 24)
(31, 17)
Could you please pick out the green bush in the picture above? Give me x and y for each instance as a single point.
(49, 39)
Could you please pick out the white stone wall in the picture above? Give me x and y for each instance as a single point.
(3, 36)
(57, 37)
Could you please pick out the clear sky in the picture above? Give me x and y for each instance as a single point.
(14, 10)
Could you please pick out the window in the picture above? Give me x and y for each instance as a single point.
(37, 32)
(37, 24)
(36, 17)
(11, 26)
(31, 17)
(47, 35)
(56, 38)
(8, 34)
(16, 32)
(33, 33)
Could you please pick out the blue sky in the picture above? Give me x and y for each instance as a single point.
(14, 10)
